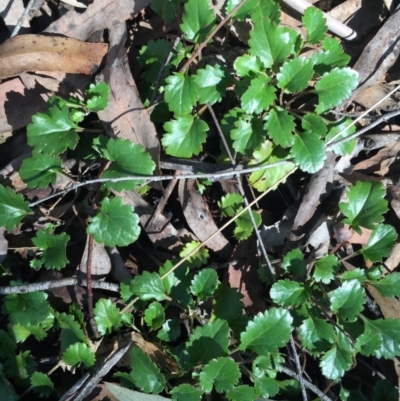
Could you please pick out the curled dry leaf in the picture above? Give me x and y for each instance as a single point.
(47, 53)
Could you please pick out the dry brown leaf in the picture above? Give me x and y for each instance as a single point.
(48, 53)
(393, 261)
(101, 264)
(17, 104)
(10, 12)
(243, 276)
(161, 233)
(155, 351)
(99, 15)
(125, 115)
(200, 220)
(390, 307)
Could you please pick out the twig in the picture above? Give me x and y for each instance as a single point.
(155, 178)
(163, 201)
(47, 285)
(298, 368)
(330, 145)
(89, 292)
(307, 384)
(332, 141)
(210, 36)
(241, 190)
(30, 9)
(91, 383)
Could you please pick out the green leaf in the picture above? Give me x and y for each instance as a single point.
(207, 342)
(222, 373)
(148, 286)
(230, 204)
(325, 269)
(39, 170)
(294, 263)
(344, 148)
(308, 152)
(348, 300)
(271, 43)
(385, 390)
(197, 20)
(333, 56)
(53, 249)
(248, 134)
(288, 293)
(154, 315)
(126, 159)
(71, 331)
(153, 55)
(267, 331)
(125, 394)
(246, 64)
(388, 331)
(267, 365)
(97, 97)
(228, 303)
(6, 389)
(389, 286)
(165, 8)
(259, 96)
(209, 81)
(52, 133)
(336, 361)
(107, 316)
(186, 392)
(294, 75)
(244, 226)
(145, 374)
(314, 331)
(266, 387)
(181, 93)
(13, 208)
(30, 308)
(114, 224)
(199, 258)
(170, 330)
(255, 9)
(42, 384)
(313, 123)
(380, 243)
(368, 343)
(79, 353)
(365, 206)
(268, 178)
(241, 393)
(204, 284)
(280, 126)
(184, 136)
(314, 21)
(334, 87)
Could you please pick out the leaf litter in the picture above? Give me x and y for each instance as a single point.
(242, 293)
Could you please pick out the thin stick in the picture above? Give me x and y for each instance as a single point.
(307, 384)
(31, 9)
(89, 291)
(210, 36)
(155, 178)
(330, 145)
(331, 141)
(271, 272)
(298, 368)
(47, 285)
